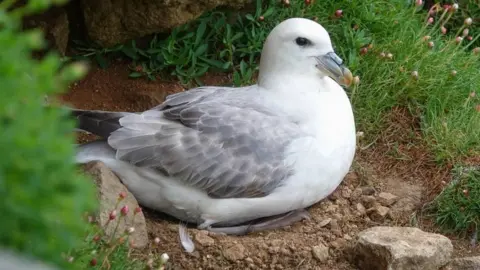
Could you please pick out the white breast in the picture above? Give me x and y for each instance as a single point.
(322, 160)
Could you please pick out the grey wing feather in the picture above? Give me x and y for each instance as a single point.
(210, 143)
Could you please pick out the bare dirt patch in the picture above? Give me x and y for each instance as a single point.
(397, 164)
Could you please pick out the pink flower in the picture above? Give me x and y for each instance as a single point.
(124, 210)
(113, 215)
(430, 20)
(338, 13)
(137, 210)
(418, 3)
(363, 51)
(443, 29)
(122, 195)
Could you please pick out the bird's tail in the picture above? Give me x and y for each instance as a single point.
(100, 123)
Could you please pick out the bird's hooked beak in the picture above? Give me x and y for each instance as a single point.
(332, 65)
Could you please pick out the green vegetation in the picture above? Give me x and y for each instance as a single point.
(43, 196)
(457, 208)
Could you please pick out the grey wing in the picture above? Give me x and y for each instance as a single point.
(229, 149)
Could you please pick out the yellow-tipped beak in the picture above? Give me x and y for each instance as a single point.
(332, 65)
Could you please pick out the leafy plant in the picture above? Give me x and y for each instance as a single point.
(43, 196)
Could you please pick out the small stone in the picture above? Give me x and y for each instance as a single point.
(361, 209)
(387, 199)
(378, 213)
(249, 260)
(346, 193)
(335, 228)
(368, 190)
(466, 263)
(320, 252)
(339, 243)
(396, 248)
(325, 222)
(203, 239)
(332, 208)
(356, 194)
(368, 201)
(235, 253)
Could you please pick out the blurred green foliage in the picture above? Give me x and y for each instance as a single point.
(43, 196)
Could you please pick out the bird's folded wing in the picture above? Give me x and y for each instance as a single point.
(220, 142)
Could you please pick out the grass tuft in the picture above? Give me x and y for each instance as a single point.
(457, 208)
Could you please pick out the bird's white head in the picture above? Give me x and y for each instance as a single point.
(301, 46)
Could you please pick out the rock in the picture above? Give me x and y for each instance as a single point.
(55, 25)
(368, 201)
(381, 248)
(346, 193)
(324, 222)
(368, 190)
(203, 239)
(110, 22)
(356, 194)
(467, 263)
(361, 209)
(378, 213)
(109, 188)
(13, 260)
(235, 253)
(339, 243)
(320, 252)
(410, 197)
(386, 199)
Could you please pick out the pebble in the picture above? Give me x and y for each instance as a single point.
(368, 190)
(356, 194)
(235, 253)
(378, 213)
(368, 201)
(325, 222)
(387, 199)
(361, 209)
(203, 239)
(339, 243)
(320, 252)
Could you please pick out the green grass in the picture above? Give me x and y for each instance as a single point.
(444, 95)
(457, 208)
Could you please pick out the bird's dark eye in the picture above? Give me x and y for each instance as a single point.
(302, 41)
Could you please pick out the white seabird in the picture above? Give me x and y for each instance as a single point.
(224, 157)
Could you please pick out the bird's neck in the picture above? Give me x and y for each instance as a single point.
(289, 83)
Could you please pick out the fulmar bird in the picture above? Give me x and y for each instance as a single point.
(224, 158)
